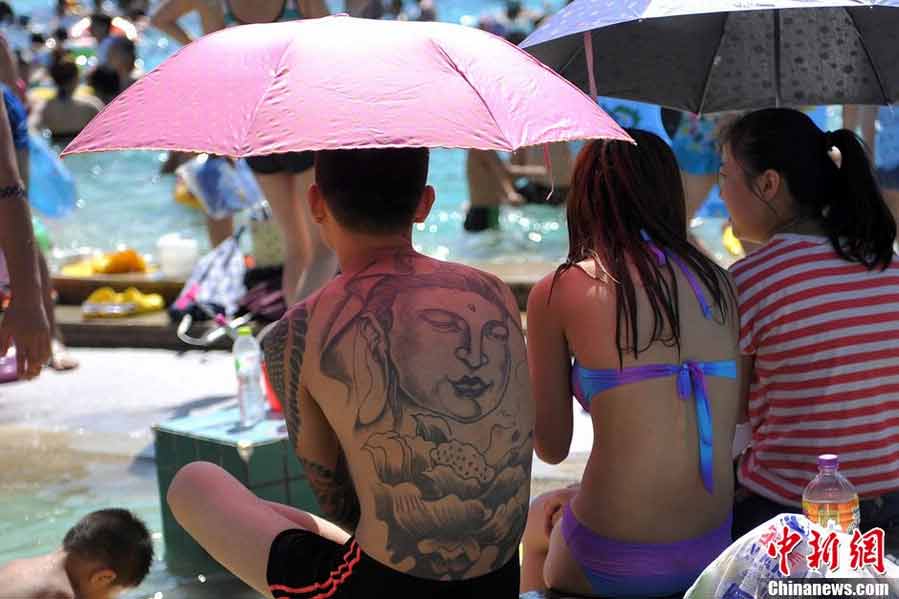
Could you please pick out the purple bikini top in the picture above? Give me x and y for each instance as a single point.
(586, 383)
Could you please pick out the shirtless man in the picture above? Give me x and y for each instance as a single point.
(105, 553)
(493, 181)
(407, 401)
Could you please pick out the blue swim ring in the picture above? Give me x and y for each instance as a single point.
(51, 186)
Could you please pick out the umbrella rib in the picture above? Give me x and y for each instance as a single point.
(578, 48)
(456, 68)
(262, 97)
(708, 74)
(861, 39)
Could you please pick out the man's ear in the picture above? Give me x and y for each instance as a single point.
(103, 578)
(316, 203)
(424, 204)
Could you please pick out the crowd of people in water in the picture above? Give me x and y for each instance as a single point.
(415, 406)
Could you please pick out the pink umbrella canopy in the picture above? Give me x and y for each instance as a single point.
(340, 83)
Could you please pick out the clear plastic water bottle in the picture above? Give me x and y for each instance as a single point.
(830, 500)
(248, 362)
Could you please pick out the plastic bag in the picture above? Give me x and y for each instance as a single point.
(51, 188)
(216, 284)
(745, 570)
(223, 188)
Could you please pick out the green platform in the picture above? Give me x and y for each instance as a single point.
(259, 457)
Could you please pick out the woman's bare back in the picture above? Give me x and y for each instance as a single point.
(642, 481)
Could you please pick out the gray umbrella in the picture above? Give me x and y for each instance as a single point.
(716, 55)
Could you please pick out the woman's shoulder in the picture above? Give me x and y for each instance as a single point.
(780, 248)
(569, 285)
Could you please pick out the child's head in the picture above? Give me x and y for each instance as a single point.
(101, 26)
(105, 82)
(779, 168)
(109, 551)
(122, 54)
(372, 191)
(64, 73)
(60, 36)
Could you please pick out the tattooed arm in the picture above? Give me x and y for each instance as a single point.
(311, 435)
(334, 490)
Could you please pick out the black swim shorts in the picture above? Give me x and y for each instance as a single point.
(291, 162)
(536, 193)
(303, 565)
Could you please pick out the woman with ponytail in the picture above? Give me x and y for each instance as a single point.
(819, 314)
(641, 328)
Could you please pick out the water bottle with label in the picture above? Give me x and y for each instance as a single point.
(248, 362)
(830, 500)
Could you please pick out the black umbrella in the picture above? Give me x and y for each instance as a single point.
(717, 55)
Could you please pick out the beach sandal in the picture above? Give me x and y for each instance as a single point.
(144, 302)
(106, 303)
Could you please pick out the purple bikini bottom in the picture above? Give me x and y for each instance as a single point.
(624, 569)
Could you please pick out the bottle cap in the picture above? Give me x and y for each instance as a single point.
(245, 331)
(828, 460)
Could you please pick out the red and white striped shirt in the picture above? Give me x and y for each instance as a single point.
(825, 336)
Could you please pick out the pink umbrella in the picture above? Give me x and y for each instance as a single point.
(340, 82)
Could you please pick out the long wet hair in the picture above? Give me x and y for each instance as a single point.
(846, 199)
(618, 191)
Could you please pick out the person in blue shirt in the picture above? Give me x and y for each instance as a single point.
(879, 128)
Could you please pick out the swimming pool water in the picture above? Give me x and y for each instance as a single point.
(123, 199)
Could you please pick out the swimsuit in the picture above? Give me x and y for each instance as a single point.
(18, 118)
(616, 568)
(627, 569)
(287, 13)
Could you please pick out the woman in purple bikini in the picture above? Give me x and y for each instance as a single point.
(642, 329)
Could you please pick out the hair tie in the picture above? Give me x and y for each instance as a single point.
(833, 152)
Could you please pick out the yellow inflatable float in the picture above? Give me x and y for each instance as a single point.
(120, 262)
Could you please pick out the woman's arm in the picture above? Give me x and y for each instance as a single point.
(747, 366)
(25, 322)
(549, 363)
(165, 17)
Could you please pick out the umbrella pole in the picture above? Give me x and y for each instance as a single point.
(548, 163)
(588, 54)
(777, 59)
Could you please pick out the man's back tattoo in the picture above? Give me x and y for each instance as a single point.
(435, 366)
